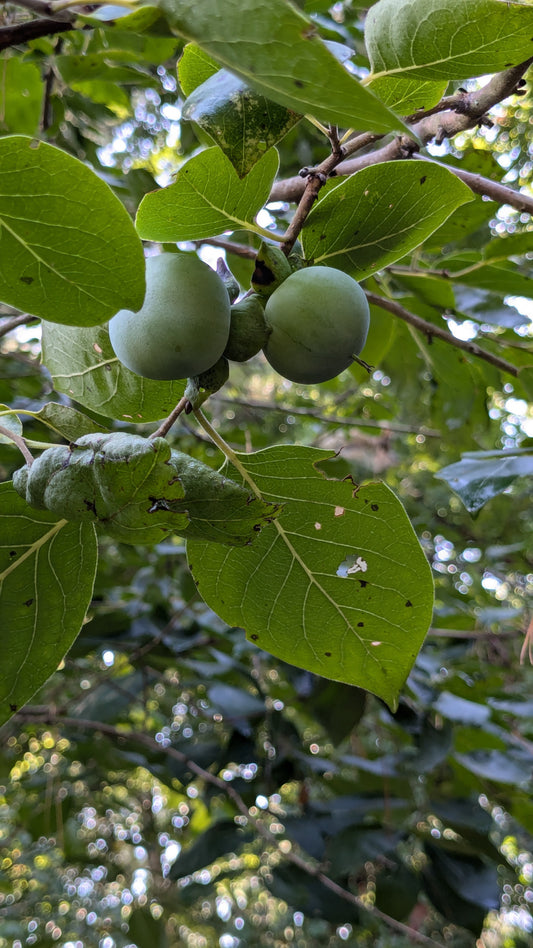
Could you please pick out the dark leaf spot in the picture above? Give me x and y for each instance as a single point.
(28, 602)
(13, 708)
(363, 583)
(254, 637)
(423, 179)
(27, 280)
(408, 603)
(360, 625)
(374, 507)
(298, 83)
(12, 552)
(327, 654)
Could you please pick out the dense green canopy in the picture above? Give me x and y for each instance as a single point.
(267, 666)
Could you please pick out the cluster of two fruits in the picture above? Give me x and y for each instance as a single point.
(311, 323)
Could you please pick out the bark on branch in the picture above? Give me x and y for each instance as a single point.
(463, 111)
(33, 29)
(430, 330)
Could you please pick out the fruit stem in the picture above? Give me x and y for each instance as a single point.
(229, 453)
(20, 443)
(166, 425)
(365, 365)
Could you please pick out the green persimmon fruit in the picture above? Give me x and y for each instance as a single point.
(248, 331)
(183, 325)
(319, 319)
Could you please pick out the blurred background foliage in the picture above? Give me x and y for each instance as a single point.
(124, 786)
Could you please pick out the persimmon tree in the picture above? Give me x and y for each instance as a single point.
(384, 147)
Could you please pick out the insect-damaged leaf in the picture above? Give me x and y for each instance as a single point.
(338, 585)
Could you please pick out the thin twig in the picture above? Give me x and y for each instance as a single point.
(330, 419)
(18, 440)
(11, 324)
(229, 791)
(240, 250)
(429, 329)
(500, 193)
(33, 29)
(166, 425)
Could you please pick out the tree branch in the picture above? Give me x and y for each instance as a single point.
(225, 787)
(463, 111)
(19, 441)
(330, 419)
(429, 329)
(33, 29)
(500, 193)
(10, 324)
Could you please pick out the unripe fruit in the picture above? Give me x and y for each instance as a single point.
(319, 320)
(248, 332)
(183, 325)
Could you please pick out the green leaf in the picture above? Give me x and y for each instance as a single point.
(67, 422)
(124, 483)
(219, 509)
(220, 838)
(338, 585)
(47, 569)
(243, 123)
(69, 249)
(308, 895)
(207, 198)
(379, 214)
(77, 70)
(514, 245)
(406, 95)
(145, 930)
(462, 888)
(480, 476)
(499, 278)
(277, 50)
(445, 40)
(195, 67)
(512, 766)
(21, 96)
(84, 367)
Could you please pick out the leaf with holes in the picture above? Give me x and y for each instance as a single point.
(207, 198)
(338, 585)
(446, 39)
(276, 49)
(69, 249)
(47, 569)
(381, 213)
(84, 367)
